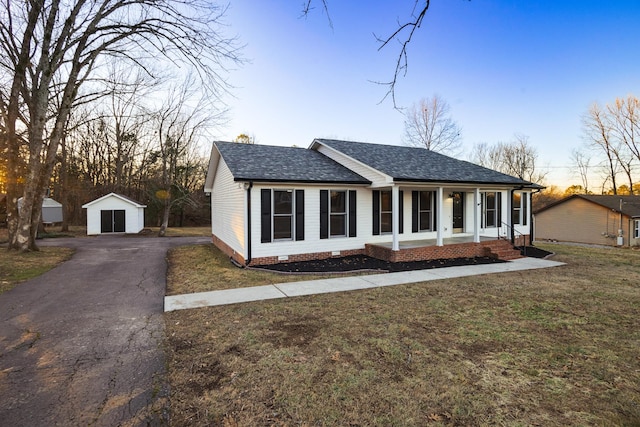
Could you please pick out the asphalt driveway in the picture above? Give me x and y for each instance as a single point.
(81, 344)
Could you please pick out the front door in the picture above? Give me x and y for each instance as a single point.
(458, 212)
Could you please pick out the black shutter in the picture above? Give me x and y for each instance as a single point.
(265, 215)
(414, 211)
(435, 210)
(299, 214)
(376, 212)
(352, 213)
(324, 214)
(401, 210)
(524, 199)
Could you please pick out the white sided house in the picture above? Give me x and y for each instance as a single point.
(114, 213)
(277, 204)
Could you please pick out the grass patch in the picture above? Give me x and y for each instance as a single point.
(550, 347)
(182, 231)
(202, 268)
(17, 267)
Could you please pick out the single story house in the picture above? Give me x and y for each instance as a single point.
(274, 204)
(114, 213)
(603, 220)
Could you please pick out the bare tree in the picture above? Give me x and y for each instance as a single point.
(598, 132)
(179, 125)
(428, 124)
(580, 160)
(624, 118)
(50, 49)
(517, 158)
(402, 37)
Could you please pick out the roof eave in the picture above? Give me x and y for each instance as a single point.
(300, 181)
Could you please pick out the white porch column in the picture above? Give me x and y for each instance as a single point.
(395, 217)
(476, 215)
(440, 198)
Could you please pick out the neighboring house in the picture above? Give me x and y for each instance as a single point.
(275, 204)
(114, 213)
(601, 220)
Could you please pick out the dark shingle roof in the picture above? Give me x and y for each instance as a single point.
(254, 162)
(420, 165)
(630, 204)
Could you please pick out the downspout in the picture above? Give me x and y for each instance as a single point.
(249, 187)
(531, 225)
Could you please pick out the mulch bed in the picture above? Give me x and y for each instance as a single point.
(363, 262)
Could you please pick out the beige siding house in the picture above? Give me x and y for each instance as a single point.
(601, 220)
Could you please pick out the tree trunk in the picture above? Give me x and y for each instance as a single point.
(166, 210)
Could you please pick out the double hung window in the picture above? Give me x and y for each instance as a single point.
(386, 217)
(491, 209)
(282, 214)
(425, 211)
(338, 215)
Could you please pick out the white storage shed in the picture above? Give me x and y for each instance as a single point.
(114, 213)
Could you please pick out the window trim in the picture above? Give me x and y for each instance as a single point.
(291, 215)
(387, 212)
(497, 209)
(344, 214)
(636, 231)
(432, 196)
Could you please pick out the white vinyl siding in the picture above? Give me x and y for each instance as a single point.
(377, 178)
(228, 200)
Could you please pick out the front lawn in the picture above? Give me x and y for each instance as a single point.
(549, 347)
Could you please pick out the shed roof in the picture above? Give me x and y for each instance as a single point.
(118, 196)
(268, 163)
(420, 165)
(630, 204)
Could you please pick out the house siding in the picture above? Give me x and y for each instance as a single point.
(578, 220)
(377, 179)
(312, 247)
(228, 207)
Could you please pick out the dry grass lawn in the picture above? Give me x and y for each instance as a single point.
(548, 347)
(16, 267)
(204, 268)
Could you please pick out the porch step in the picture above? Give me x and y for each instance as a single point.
(502, 249)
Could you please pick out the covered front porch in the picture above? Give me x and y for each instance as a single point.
(459, 246)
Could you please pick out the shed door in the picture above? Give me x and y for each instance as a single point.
(118, 221)
(112, 221)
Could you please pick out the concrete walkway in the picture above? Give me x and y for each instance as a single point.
(341, 284)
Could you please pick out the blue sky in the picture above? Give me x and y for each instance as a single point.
(504, 66)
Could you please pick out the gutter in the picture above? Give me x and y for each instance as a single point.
(531, 224)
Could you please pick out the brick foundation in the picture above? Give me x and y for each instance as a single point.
(226, 249)
(499, 248)
(305, 257)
